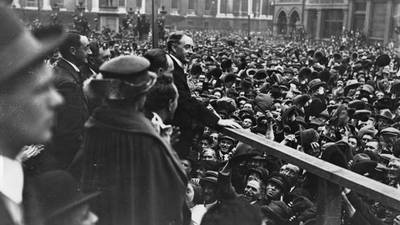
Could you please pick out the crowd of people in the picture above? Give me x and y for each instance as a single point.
(90, 133)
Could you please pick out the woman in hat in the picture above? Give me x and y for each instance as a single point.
(123, 154)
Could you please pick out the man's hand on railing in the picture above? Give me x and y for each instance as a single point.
(228, 123)
(349, 208)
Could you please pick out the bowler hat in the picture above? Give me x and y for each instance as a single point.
(384, 103)
(357, 104)
(58, 192)
(362, 114)
(316, 107)
(124, 77)
(19, 49)
(395, 88)
(382, 60)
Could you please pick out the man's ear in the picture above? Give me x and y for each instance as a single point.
(160, 71)
(170, 105)
(72, 50)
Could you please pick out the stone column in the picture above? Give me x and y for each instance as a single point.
(319, 25)
(95, 6)
(388, 21)
(368, 15)
(350, 15)
(305, 19)
(218, 7)
(250, 8)
(46, 5)
(143, 9)
(345, 18)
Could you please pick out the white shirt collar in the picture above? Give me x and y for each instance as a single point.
(12, 179)
(177, 60)
(73, 65)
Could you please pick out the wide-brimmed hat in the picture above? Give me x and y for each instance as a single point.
(385, 114)
(19, 49)
(123, 77)
(350, 84)
(58, 192)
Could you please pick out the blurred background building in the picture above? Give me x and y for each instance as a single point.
(376, 19)
(187, 14)
(319, 19)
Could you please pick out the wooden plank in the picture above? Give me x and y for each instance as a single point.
(377, 191)
(329, 203)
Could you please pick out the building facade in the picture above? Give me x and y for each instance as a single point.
(232, 15)
(320, 19)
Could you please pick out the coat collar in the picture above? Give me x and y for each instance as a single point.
(66, 65)
(123, 120)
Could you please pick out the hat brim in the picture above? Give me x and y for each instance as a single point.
(74, 202)
(28, 50)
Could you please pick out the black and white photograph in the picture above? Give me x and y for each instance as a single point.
(199, 112)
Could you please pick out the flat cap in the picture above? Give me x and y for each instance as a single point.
(390, 131)
(122, 66)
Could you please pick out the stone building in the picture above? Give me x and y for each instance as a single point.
(377, 19)
(180, 14)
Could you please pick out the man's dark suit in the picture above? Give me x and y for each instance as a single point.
(71, 116)
(189, 112)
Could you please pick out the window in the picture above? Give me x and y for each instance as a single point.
(192, 4)
(265, 6)
(224, 6)
(31, 3)
(174, 4)
(245, 7)
(108, 3)
(138, 4)
(256, 7)
(208, 5)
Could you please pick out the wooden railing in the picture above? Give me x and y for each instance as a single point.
(332, 177)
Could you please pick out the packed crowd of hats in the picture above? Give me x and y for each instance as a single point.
(324, 99)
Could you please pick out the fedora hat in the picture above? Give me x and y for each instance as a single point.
(351, 84)
(385, 114)
(316, 83)
(19, 49)
(58, 192)
(123, 77)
